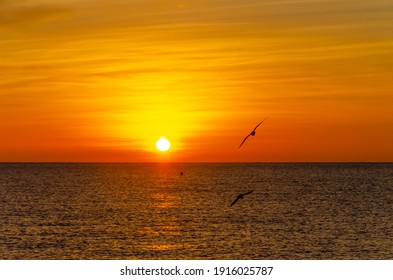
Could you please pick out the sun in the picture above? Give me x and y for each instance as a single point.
(163, 144)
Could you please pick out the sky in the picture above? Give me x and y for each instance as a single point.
(102, 81)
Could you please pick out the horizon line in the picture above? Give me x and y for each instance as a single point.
(205, 162)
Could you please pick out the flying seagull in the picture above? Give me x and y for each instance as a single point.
(240, 196)
(252, 133)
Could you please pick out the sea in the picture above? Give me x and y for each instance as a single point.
(181, 211)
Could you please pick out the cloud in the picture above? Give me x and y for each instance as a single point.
(22, 15)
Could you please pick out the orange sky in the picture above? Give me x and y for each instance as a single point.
(85, 80)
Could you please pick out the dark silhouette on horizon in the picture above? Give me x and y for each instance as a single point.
(252, 133)
(240, 196)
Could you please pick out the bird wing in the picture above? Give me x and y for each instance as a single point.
(259, 124)
(237, 198)
(244, 140)
(247, 192)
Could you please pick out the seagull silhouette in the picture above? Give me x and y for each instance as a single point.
(240, 196)
(252, 133)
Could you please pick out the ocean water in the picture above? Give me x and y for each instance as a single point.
(150, 211)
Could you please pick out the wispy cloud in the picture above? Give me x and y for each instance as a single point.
(24, 14)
